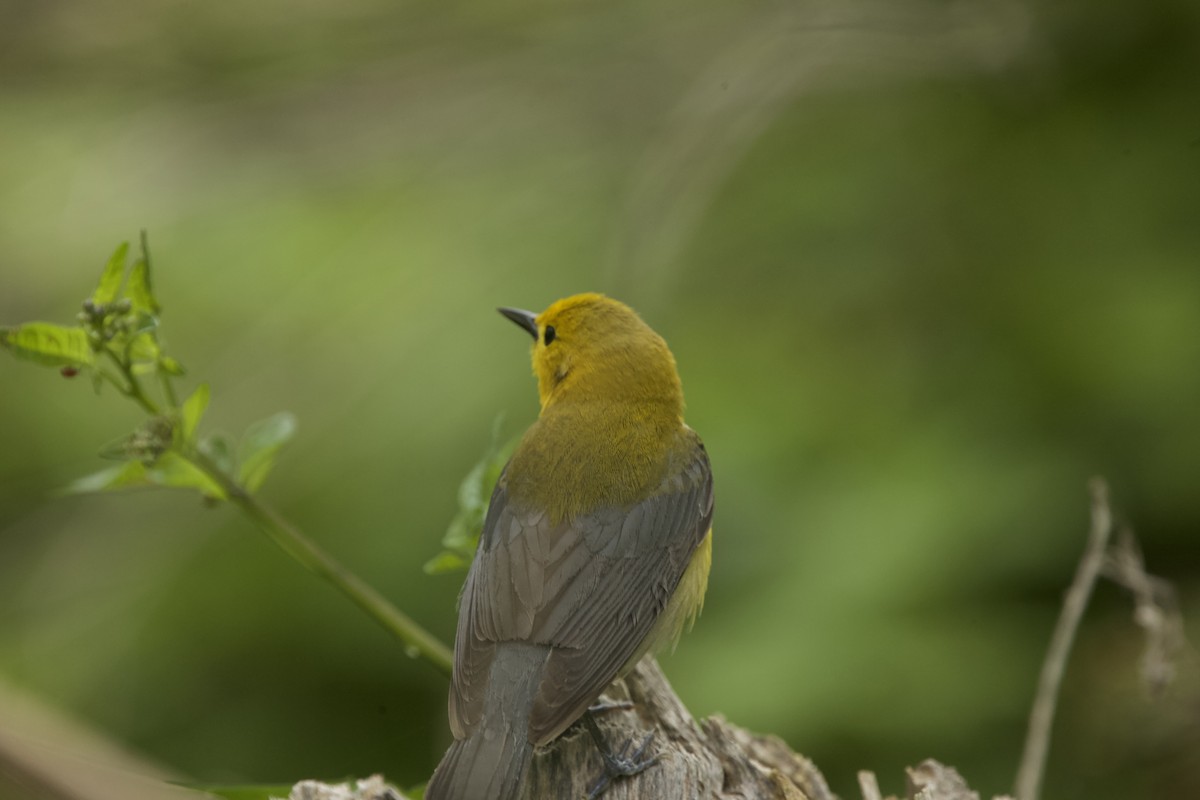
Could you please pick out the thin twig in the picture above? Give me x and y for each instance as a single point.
(1041, 718)
(1156, 611)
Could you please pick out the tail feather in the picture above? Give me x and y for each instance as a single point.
(490, 764)
(482, 767)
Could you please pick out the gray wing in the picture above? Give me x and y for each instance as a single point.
(589, 589)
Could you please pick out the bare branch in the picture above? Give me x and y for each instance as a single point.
(1041, 718)
(1156, 612)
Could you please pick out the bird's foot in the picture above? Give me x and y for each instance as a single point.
(622, 764)
(615, 705)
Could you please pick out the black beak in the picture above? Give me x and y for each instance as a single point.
(526, 319)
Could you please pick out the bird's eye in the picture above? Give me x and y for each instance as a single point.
(548, 336)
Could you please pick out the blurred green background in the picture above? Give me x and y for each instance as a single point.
(925, 269)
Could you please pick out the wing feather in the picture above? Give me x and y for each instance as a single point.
(590, 589)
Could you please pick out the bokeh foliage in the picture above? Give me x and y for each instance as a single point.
(914, 309)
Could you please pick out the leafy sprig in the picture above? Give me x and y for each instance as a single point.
(117, 341)
(474, 494)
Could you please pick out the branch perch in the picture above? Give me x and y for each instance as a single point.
(711, 759)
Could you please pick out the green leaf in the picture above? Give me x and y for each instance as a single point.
(470, 491)
(143, 322)
(260, 446)
(46, 343)
(110, 280)
(121, 476)
(138, 289)
(143, 347)
(192, 410)
(175, 471)
(171, 366)
(474, 494)
(219, 448)
(137, 340)
(445, 562)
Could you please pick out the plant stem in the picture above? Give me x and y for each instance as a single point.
(134, 389)
(105, 375)
(417, 640)
(168, 389)
(1041, 718)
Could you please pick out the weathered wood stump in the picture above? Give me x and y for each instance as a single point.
(707, 760)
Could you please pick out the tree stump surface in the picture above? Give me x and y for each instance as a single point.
(707, 760)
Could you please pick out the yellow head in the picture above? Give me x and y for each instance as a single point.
(589, 347)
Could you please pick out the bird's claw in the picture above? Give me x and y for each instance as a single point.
(623, 765)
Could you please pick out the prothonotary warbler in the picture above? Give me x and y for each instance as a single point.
(595, 549)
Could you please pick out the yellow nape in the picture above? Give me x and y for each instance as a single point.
(611, 422)
(590, 346)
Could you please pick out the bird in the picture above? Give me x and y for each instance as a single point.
(595, 548)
